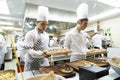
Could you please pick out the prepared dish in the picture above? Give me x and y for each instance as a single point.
(7, 75)
(49, 76)
(66, 69)
(88, 63)
(96, 51)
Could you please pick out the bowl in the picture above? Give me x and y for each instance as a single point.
(66, 71)
(38, 77)
(115, 65)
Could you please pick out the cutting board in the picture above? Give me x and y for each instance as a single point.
(56, 69)
(77, 64)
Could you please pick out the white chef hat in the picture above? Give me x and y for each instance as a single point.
(95, 30)
(43, 13)
(82, 11)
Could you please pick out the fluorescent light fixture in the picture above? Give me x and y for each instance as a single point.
(114, 3)
(10, 28)
(107, 14)
(4, 7)
(6, 23)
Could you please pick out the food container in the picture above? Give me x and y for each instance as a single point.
(8, 75)
(115, 64)
(38, 77)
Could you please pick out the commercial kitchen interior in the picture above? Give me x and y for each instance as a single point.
(17, 17)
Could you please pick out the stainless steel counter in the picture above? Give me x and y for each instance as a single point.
(29, 74)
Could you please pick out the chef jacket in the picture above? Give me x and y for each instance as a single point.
(97, 41)
(76, 41)
(35, 43)
(20, 49)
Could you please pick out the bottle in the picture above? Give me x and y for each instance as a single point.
(51, 61)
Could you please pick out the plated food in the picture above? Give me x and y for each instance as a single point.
(49, 76)
(7, 75)
(66, 69)
(88, 63)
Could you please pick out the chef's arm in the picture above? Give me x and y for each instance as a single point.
(33, 52)
(67, 42)
(29, 43)
(22, 44)
(37, 54)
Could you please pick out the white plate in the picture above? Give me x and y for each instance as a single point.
(38, 77)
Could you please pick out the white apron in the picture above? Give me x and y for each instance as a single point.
(76, 57)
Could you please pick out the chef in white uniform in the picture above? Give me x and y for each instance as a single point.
(76, 39)
(36, 42)
(3, 51)
(97, 40)
(20, 48)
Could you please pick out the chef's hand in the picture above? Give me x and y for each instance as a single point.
(45, 54)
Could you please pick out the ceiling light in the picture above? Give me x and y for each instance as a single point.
(107, 14)
(114, 3)
(10, 28)
(5, 23)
